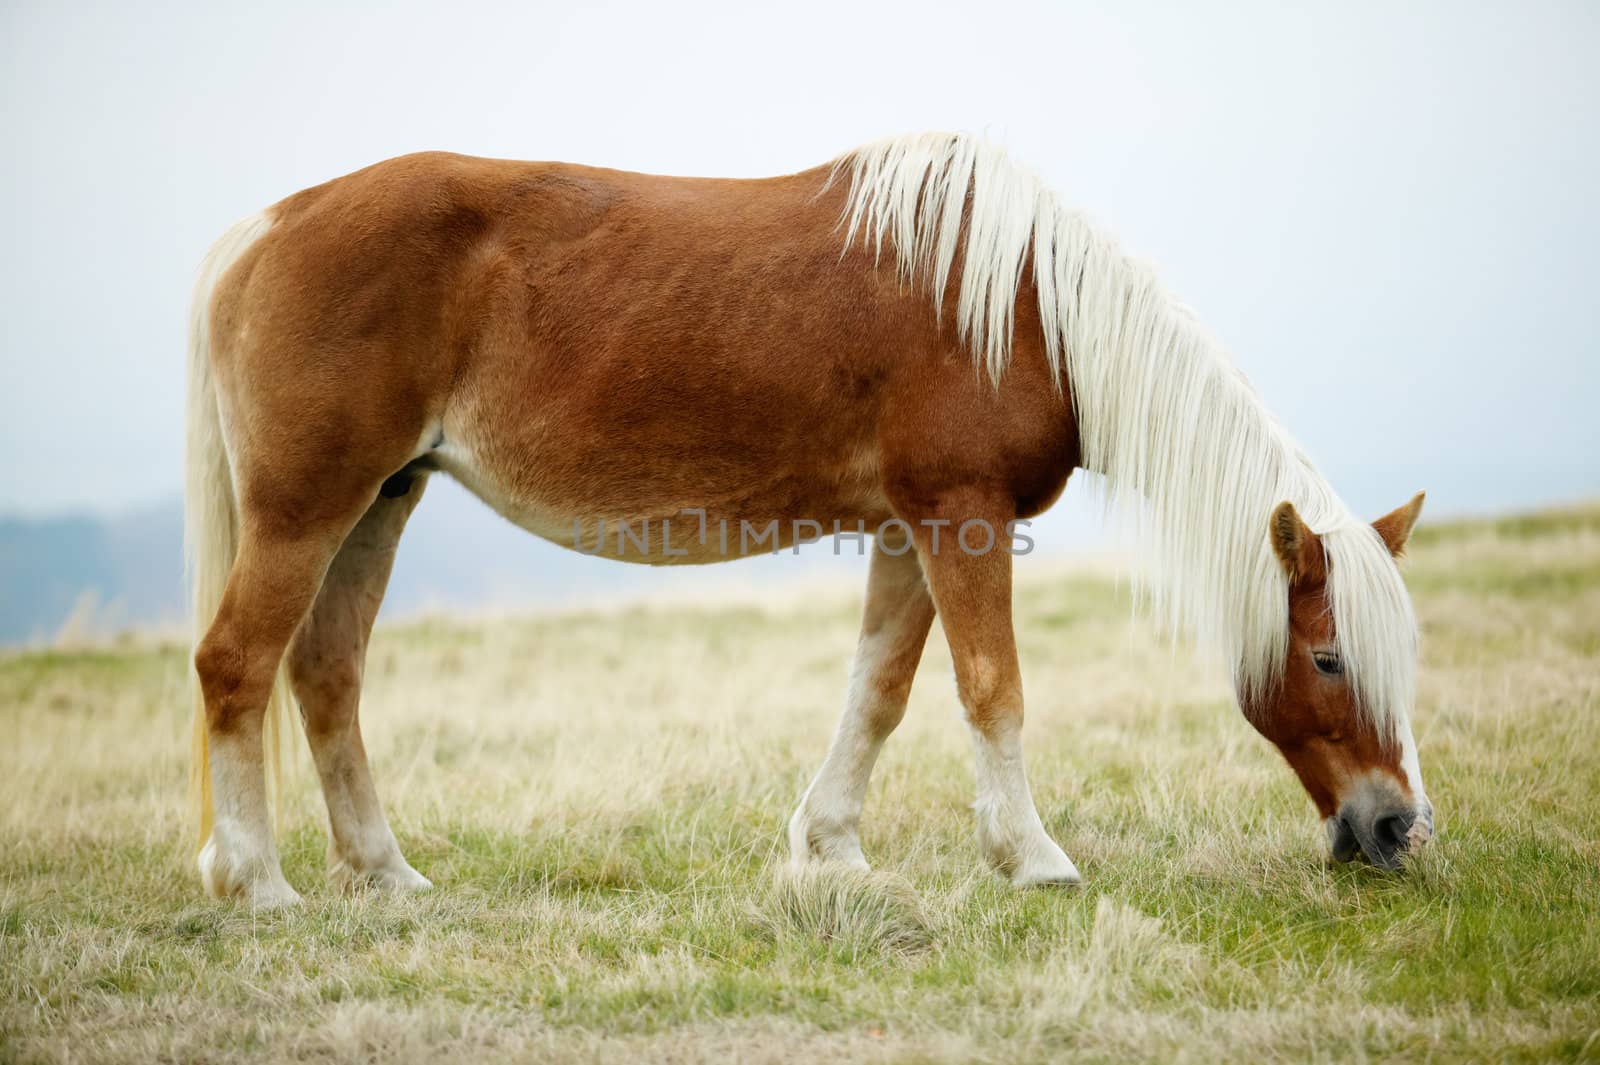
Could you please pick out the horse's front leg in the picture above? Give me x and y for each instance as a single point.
(894, 627)
(970, 578)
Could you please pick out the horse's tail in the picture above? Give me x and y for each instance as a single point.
(211, 522)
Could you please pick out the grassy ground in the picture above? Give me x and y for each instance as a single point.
(600, 800)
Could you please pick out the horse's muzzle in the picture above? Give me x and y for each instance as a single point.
(1384, 836)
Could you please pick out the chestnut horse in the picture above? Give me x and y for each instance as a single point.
(916, 338)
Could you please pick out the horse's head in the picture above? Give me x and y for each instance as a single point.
(1364, 778)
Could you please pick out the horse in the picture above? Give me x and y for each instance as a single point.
(916, 338)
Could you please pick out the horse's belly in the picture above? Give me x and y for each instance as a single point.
(693, 516)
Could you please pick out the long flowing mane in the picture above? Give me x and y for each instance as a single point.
(1188, 451)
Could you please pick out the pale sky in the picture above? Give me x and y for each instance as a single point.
(1387, 211)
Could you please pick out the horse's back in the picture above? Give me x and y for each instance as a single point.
(418, 264)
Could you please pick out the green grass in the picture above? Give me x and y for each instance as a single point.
(600, 800)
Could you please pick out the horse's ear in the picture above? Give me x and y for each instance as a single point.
(1296, 546)
(1395, 527)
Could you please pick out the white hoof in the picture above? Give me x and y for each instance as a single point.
(398, 879)
(256, 882)
(812, 841)
(393, 873)
(1020, 849)
(273, 895)
(1046, 866)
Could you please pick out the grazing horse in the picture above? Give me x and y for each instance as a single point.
(916, 339)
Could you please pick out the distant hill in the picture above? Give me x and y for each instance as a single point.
(125, 570)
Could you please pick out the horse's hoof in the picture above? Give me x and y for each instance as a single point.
(257, 884)
(1052, 868)
(403, 879)
(397, 876)
(267, 895)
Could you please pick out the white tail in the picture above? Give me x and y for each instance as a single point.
(211, 523)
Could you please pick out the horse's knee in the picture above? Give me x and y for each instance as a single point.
(885, 667)
(885, 716)
(991, 698)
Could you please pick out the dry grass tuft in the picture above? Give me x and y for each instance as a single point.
(854, 911)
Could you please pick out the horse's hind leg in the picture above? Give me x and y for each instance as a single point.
(894, 627)
(273, 580)
(326, 661)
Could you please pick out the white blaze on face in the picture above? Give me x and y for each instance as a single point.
(1409, 765)
(1422, 828)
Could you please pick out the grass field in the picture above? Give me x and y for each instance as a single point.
(600, 800)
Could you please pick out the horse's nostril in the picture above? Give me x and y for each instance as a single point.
(1391, 831)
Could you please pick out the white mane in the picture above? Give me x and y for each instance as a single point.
(1187, 449)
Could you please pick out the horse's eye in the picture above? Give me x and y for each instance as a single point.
(1327, 663)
